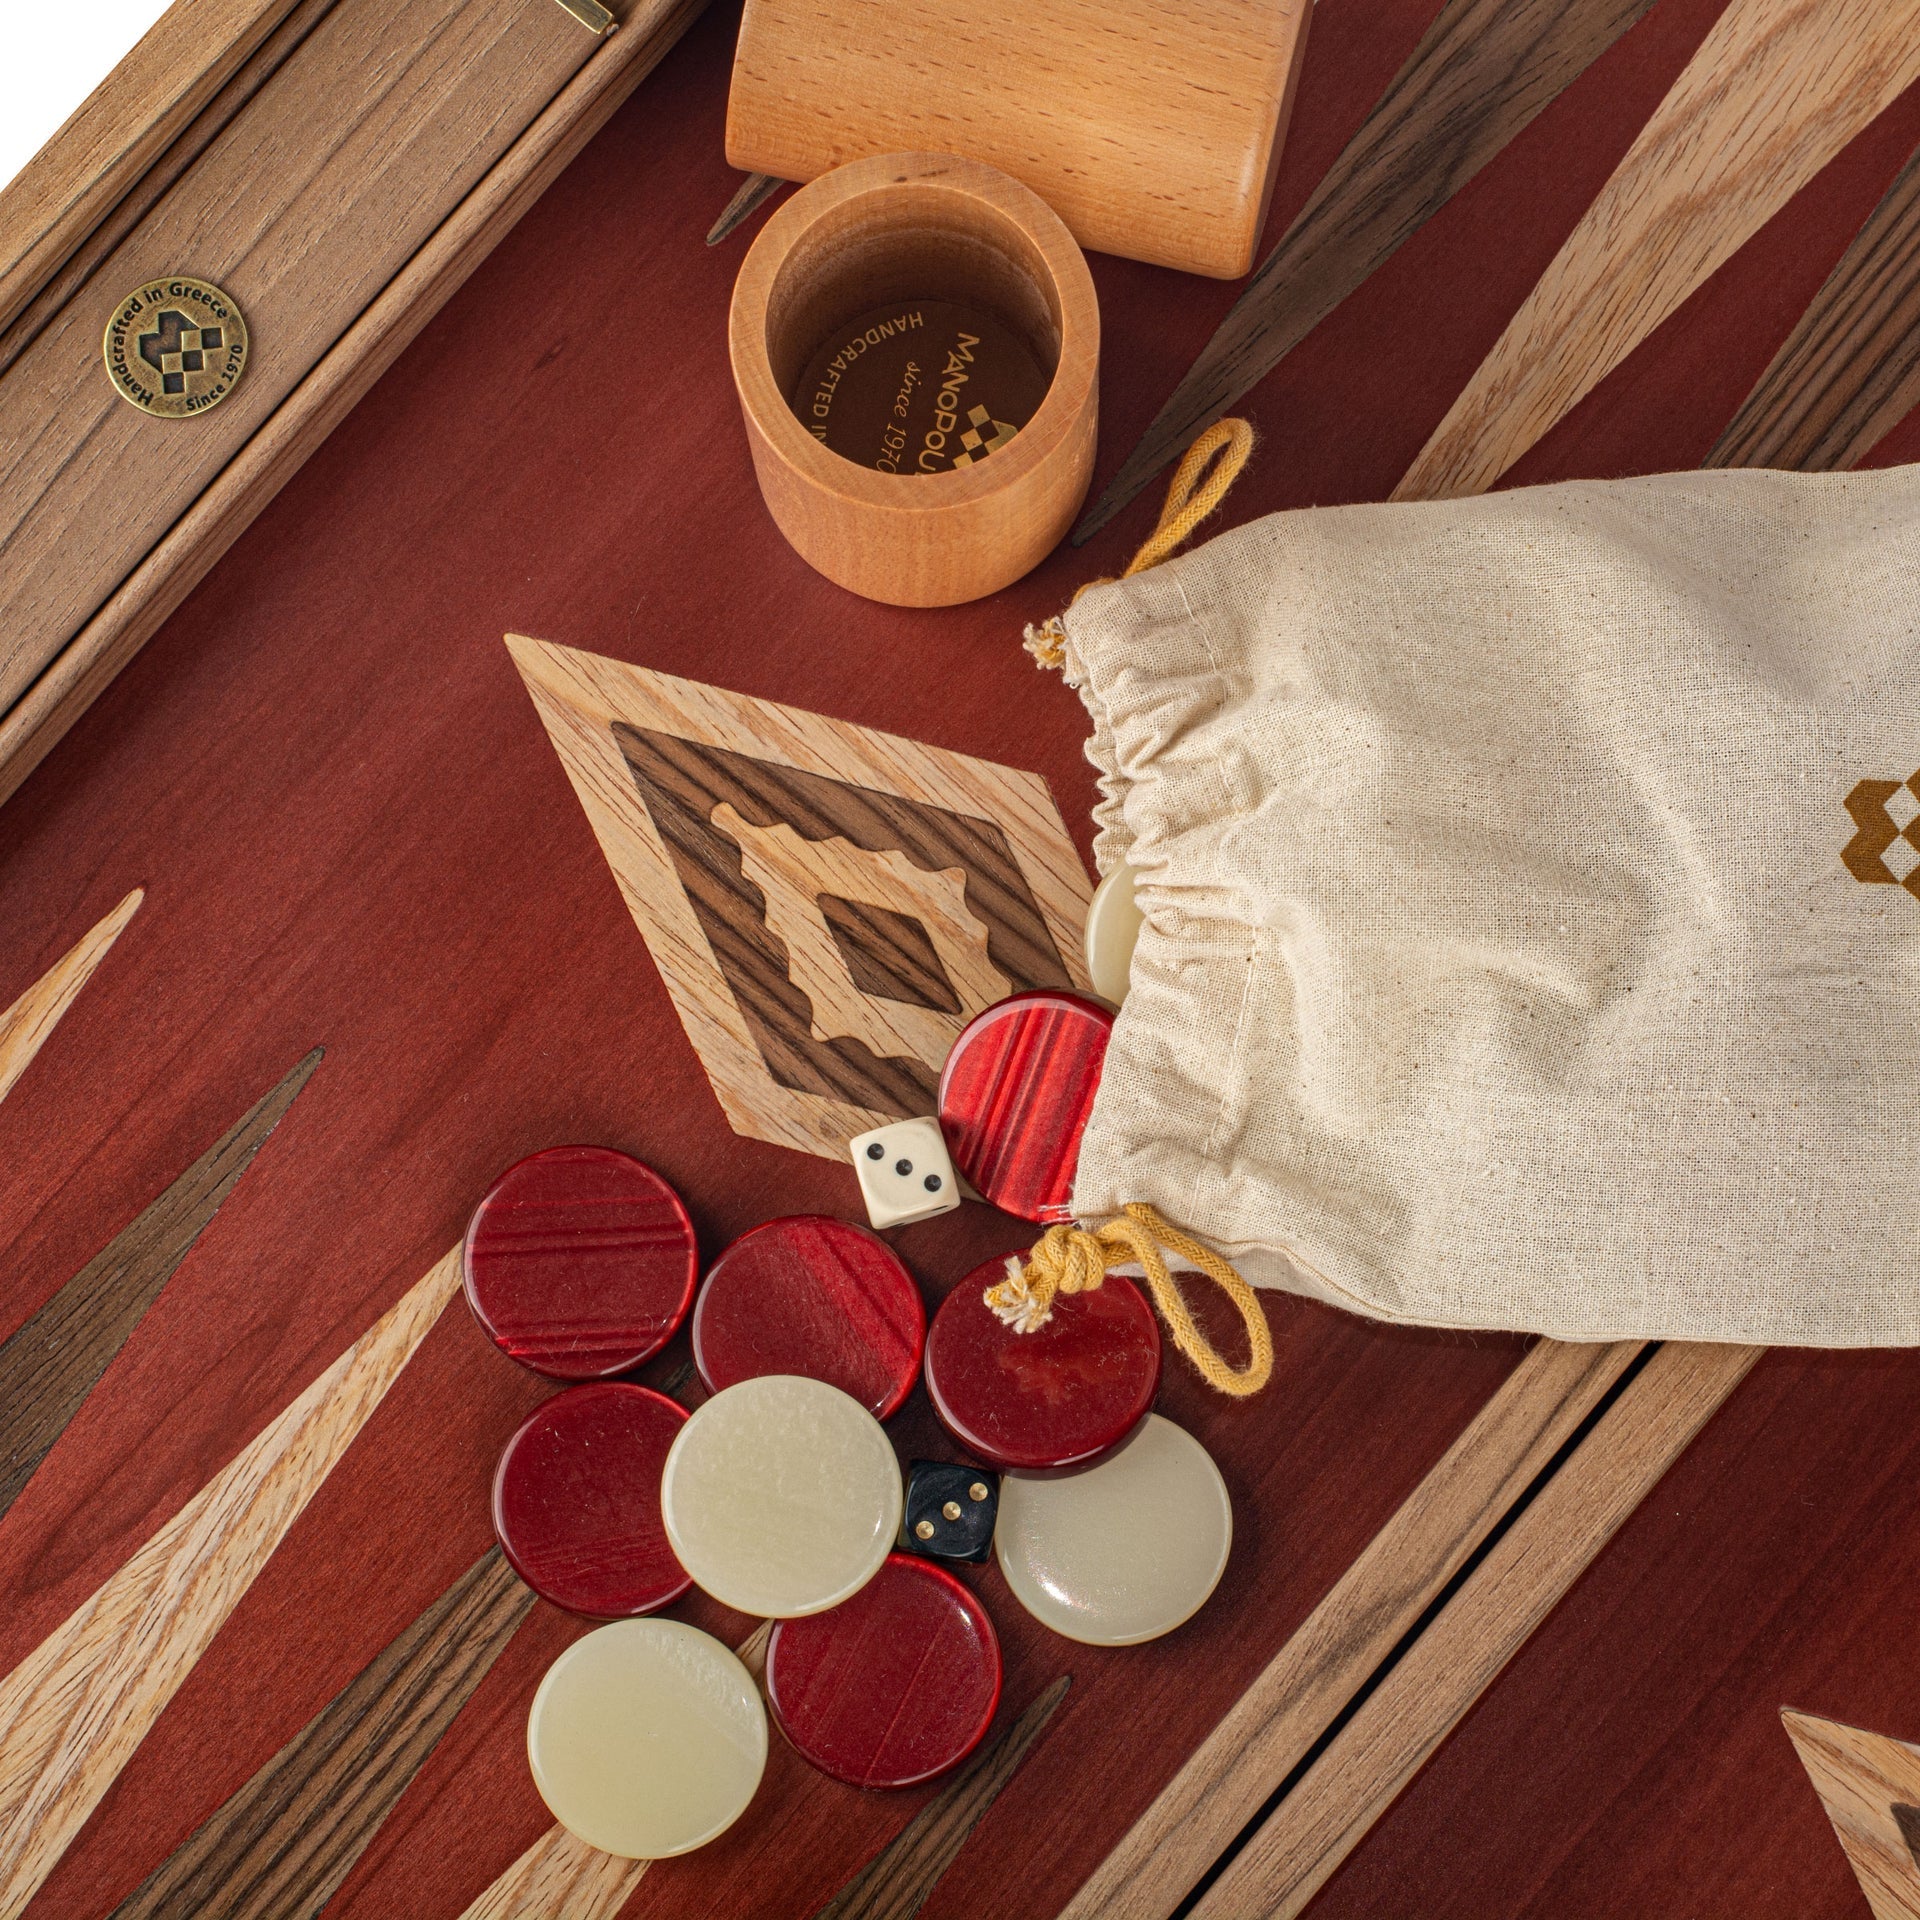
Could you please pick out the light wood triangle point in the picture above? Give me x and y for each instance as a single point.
(25, 1025)
(1869, 1784)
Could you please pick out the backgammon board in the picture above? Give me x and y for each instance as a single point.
(261, 1655)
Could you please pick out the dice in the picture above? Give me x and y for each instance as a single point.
(950, 1511)
(904, 1171)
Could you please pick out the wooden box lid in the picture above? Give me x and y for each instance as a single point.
(1152, 127)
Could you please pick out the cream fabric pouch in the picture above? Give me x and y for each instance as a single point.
(1526, 941)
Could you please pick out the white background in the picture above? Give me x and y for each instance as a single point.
(53, 53)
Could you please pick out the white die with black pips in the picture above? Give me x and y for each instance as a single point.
(904, 1171)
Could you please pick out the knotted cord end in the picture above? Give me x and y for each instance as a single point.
(1068, 1259)
(1047, 642)
(1017, 1304)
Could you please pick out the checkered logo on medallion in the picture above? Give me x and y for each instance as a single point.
(177, 348)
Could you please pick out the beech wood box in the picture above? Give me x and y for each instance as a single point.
(1152, 127)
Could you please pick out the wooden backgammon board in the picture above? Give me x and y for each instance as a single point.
(324, 912)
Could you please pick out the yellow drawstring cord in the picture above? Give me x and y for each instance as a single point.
(1073, 1260)
(1070, 1259)
(1189, 500)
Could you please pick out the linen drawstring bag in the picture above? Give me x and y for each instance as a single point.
(1532, 921)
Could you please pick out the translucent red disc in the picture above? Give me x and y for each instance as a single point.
(1015, 1095)
(893, 1686)
(814, 1296)
(580, 1262)
(1058, 1397)
(576, 1500)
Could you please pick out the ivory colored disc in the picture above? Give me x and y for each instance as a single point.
(1113, 925)
(782, 1496)
(647, 1738)
(1124, 1551)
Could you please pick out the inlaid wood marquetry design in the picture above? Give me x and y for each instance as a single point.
(1775, 90)
(895, 1883)
(827, 904)
(280, 1846)
(1870, 1787)
(562, 1878)
(50, 1365)
(1850, 370)
(72, 1712)
(25, 1025)
(1480, 74)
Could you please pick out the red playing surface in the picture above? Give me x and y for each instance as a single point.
(816, 1296)
(895, 1686)
(580, 1262)
(330, 779)
(1015, 1095)
(1057, 1397)
(576, 1500)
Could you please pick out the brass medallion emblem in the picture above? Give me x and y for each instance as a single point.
(175, 347)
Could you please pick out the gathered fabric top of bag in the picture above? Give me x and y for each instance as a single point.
(1532, 938)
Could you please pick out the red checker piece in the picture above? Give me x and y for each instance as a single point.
(1057, 1397)
(892, 1687)
(815, 1296)
(580, 1262)
(1015, 1095)
(576, 1500)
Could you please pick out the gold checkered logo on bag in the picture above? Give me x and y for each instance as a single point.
(1885, 851)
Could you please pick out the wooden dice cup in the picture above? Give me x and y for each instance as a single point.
(931, 227)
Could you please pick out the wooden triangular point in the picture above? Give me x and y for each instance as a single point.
(73, 1711)
(1869, 1784)
(25, 1025)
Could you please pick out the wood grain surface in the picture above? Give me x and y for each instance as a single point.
(303, 209)
(119, 130)
(325, 768)
(560, 1878)
(74, 1710)
(1870, 1787)
(1772, 1564)
(1152, 127)
(1480, 74)
(896, 1884)
(1502, 1601)
(49, 1365)
(1850, 370)
(27, 1024)
(1351, 1633)
(57, 287)
(752, 194)
(279, 1848)
(1776, 90)
(72, 677)
(917, 226)
(724, 818)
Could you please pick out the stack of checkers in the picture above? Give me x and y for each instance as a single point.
(782, 1495)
